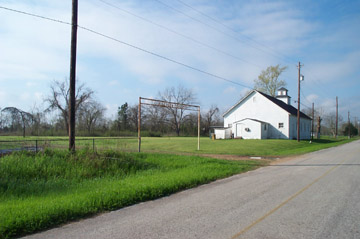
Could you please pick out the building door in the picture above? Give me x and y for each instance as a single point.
(238, 130)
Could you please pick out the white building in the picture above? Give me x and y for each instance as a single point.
(260, 116)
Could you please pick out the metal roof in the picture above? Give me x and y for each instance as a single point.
(288, 108)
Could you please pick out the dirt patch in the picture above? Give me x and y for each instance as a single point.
(226, 156)
(282, 160)
(267, 160)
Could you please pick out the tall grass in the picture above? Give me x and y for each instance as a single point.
(38, 191)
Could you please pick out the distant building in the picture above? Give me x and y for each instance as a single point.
(260, 116)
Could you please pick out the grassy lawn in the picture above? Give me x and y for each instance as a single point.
(239, 147)
(39, 191)
(189, 145)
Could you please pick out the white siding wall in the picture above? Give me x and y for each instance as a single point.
(293, 125)
(253, 126)
(305, 128)
(256, 106)
(222, 133)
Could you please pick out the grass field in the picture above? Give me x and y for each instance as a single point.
(38, 191)
(178, 145)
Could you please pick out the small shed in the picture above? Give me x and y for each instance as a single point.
(223, 133)
(251, 129)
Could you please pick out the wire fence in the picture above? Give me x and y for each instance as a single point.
(128, 144)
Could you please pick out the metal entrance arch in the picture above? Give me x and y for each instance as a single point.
(165, 104)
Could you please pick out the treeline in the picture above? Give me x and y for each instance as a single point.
(52, 118)
(91, 119)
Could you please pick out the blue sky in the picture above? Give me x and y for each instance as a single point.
(232, 39)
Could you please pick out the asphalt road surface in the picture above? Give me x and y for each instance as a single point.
(316, 195)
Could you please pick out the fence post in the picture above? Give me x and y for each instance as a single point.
(36, 146)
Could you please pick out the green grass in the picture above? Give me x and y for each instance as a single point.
(179, 145)
(39, 191)
(267, 148)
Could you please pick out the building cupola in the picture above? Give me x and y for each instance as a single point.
(282, 95)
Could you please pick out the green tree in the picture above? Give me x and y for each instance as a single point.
(123, 116)
(268, 81)
(352, 128)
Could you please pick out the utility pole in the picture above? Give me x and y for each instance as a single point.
(139, 125)
(298, 111)
(349, 124)
(337, 118)
(318, 127)
(312, 122)
(74, 25)
(199, 128)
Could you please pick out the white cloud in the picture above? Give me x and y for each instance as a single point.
(113, 83)
(25, 96)
(3, 96)
(31, 84)
(312, 98)
(39, 96)
(111, 110)
(229, 90)
(332, 70)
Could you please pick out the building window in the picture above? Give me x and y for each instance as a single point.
(264, 126)
(281, 125)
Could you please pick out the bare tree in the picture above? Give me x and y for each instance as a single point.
(24, 116)
(90, 114)
(179, 95)
(59, 99)
(133, 116)
(155, 119)
(268, 81)
(39, 120)
(1, 120)
(330, 122)
(209, 116)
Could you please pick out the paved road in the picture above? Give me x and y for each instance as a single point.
(314, 196)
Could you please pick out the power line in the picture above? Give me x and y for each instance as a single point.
(230, 28)
(179, 34)
(35, 15)
(251, 39)
(215, 29)
(318, 82)
(302, 93)
(163, 57)
(130, 45)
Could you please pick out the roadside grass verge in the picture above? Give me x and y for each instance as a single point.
(39, 191)
(249, 147)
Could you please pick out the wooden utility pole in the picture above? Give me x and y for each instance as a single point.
(337, 118)
(349, 124)
(139, 125)
(298, 111)
(312, 122)
(318, 127)
(199, 128)
(74, 25)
